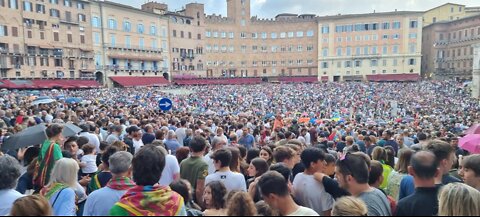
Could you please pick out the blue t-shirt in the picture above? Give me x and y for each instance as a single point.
(407, 187)
(247, 141)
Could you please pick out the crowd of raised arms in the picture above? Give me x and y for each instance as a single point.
(341, 149)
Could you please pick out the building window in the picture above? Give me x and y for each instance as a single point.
(243, 22)
(373, 63)
(153, 30)
(67, 3)
(243, 35)
(189, 35)
(284, 34)
(310, 33)
(274, 35)
(56, 36)
(325, 30)
(127, 26)
(140, 28)
(299, 34)
(224, 35)
(358, 63)
(82, 18)
(324, 65)
(69, 38)
(174, 33)
(112, 24)
(215, 34)
(386, 25)
(27, 6)
(199, 37)
(13, 4)
(396, 36)
(396, 25)
(264, 35)
(413, 24)
(412, 48)
(339, 51)
(291, 34)
(231, 35)
(182, 34)
(325, 52)
(95, 22)
(411, 62)
(395, 49)
(208, 34)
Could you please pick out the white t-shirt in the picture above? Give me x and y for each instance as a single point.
(231, 180)
(92, 139)
(210, 163)
(304, 211)
(91, 164)
(181, 135)
(137, 145)
(311, 193)
(171, 169)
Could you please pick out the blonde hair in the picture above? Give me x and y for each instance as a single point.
(349, 206)
(65, 171)
(33, 205)
(459, 199)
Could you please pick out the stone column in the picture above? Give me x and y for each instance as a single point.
(476, 71)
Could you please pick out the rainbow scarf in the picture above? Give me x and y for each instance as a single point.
(151, 201)
(121, 184)
(49, 191)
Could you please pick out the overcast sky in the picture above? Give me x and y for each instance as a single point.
(270, 8)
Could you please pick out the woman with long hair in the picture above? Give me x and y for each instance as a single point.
(214, 199)
(50, 153)
(401, 170)
(380, 154)
(257, 168)
(458, 199)
(267, 154)
(60, 190)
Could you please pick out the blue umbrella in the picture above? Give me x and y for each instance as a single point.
(73, 100)
(60, 97)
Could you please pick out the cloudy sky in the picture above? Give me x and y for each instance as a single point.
(270, 8)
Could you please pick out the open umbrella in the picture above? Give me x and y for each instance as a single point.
(42, 101)
(73, 100)
(35, 135)
(475, 129)
(470, 143)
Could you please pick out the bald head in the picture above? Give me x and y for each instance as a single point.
(424, 165)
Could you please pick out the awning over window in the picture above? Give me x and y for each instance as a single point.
(394, 77)
(48, 84)
(132, 81)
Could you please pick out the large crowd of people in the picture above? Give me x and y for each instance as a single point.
(367, 149)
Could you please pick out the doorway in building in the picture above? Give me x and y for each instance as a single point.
(336, 78)
(99, 77)
(166, 76)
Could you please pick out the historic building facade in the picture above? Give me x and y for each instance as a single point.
(357, 47)
(186, 32)
(128, 42)
(448, 48)
(48, 39)
(243, 46)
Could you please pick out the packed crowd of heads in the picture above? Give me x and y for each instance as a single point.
(367, 149)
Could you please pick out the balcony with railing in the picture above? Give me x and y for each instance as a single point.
(131, 48)
(146, 54)
(133, 68)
